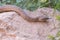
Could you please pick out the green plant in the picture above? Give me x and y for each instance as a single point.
(33, 4)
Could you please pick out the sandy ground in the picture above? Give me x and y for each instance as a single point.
(14, 27)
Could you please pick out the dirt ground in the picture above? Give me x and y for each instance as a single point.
(14, 27)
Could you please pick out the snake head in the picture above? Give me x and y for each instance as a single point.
(43, 19)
